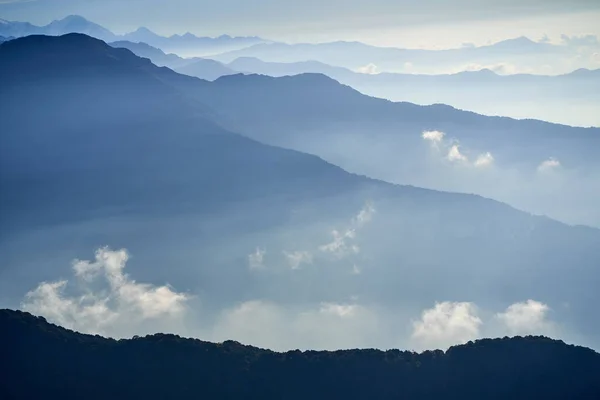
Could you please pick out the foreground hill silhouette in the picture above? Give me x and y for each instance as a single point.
(43, 360)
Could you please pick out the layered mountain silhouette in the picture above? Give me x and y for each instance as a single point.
(355, 55)
(69, 24)
(49, 361)
(187, 43)
(199, 67)
(321, 104)
(483, 91)
(321, 115)
(99, 133)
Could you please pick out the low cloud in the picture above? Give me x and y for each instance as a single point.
(484, 160)
(343, 242)
(295, 259)
(435, 137)
(451, 150)
(454, 154)
(364, 216)
(550, 164)
(256, 259)
(340, 245)
(446, 324)
(121, 305)
(527, 318)
(369, 69)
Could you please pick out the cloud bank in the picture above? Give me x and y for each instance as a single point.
(450, 149)
(530, 317)
(105, 300)
(446, 324)
(120, 303)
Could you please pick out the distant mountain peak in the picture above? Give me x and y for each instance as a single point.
(518, 41)
(143, 29)
(73, 18)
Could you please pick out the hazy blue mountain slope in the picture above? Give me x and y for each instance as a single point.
(320, 103)
(205, 69)
(156, 55)
(521, 95)
(201, 68)
(101, 147)
(491, 156)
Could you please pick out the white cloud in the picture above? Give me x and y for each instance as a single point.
(356, 270)
(527, 318)
(550, 164)
(370, 69)
(122, 306)
(454, 154)
(446, 324)
(484, 160)
(339, 246)
(256, 259)
(365, 215)
(297, 258)
(451, 150)
(434, 137)
(342, 244)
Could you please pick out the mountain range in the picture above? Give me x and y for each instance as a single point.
(47, 360)
(115, 150)
(202, 68)
(509, 56)
(484, 91)
(187, 43)
(519, 95)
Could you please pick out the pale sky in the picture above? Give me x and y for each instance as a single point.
(402, 23)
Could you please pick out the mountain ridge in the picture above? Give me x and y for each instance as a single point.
(160, 364)
(79, 24)
(128, 140)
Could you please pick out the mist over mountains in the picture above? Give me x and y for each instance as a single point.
(570, 99)
(272, 213)
(517, 55)
(209, 230)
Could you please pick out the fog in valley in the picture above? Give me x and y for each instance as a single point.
(287, 195)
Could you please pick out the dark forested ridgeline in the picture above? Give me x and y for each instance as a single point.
(42, 360)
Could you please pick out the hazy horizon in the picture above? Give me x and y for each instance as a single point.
(429, 24)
